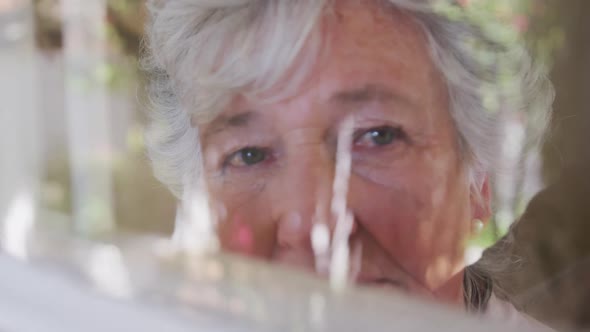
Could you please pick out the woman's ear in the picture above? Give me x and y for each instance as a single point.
(481, 200)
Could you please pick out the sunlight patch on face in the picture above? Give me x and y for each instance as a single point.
(438, 272)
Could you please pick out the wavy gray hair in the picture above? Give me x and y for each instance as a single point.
(200, 53)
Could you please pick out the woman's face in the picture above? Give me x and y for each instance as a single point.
(270, 167)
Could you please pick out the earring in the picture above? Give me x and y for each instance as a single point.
(477, 226)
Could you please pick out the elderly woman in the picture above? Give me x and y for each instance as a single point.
(290, 112)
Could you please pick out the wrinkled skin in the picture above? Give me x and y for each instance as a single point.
(271, 166)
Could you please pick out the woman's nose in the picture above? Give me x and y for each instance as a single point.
(305, 201)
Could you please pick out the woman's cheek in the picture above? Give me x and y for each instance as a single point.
(387, 173)
(246, 232)
(245, 226)
(392, 212)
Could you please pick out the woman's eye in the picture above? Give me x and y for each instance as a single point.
(247, 157)
(378, 136)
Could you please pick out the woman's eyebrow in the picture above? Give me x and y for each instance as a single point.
(369, 93)
(224, 122)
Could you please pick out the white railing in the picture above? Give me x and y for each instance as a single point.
(63, 288)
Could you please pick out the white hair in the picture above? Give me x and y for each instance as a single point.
(200, 53)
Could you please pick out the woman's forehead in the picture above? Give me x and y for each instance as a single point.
(357, 15)
(363, 51)
(361, 58)
(272, 58)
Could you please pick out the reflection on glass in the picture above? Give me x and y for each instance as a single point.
(89, 118)
(19, 129)
(332, 168)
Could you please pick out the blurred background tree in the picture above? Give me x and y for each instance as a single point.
(141, 203)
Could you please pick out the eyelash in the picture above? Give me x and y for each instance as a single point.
(396, 133)
(227, 160)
